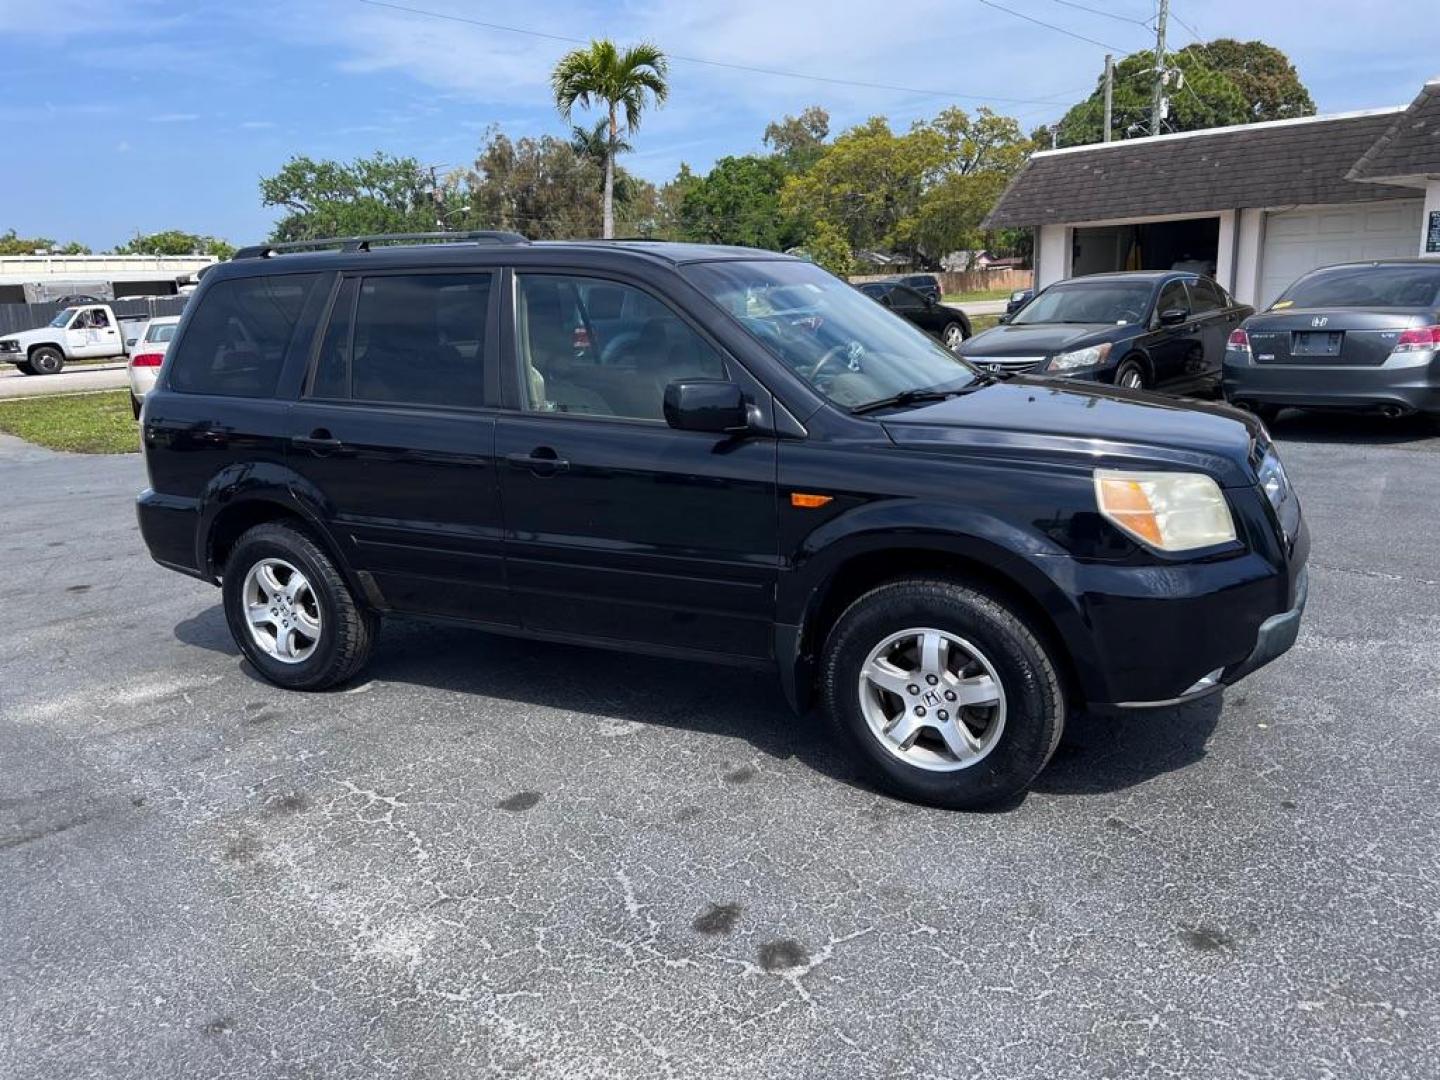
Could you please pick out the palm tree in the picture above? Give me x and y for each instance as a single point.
(622, 80)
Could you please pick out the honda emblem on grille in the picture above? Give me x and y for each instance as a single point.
(1319, 320)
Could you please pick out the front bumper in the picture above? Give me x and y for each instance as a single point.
(1410, 383)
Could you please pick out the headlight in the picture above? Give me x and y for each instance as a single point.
(1018, 295)
(1172, 511)
(1274, 480)
(1079, 360)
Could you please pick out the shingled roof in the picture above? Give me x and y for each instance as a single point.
(1280, 163)
(1410, 146)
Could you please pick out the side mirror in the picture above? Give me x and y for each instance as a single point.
(714, 405)
(1173, 316)
(1003, 319)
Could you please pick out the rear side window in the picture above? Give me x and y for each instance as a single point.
(236, 341)
(408, 339)
(1205, 296)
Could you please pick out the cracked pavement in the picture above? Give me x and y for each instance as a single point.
(495, 857)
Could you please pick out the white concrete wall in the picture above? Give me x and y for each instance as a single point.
(1250, 234)
(1432, 205)
(1225, 250)
(19, 269)
(1052, 255)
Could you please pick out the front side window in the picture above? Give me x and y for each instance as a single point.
(828, 333)
(1173, 298)
(599, 348)
(1082, 302)
(237, 338)
(406, 339)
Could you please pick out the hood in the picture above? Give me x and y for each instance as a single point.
(1087, 426)
(31, 337)
(1041, 339)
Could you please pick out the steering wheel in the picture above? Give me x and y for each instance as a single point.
(839, 352)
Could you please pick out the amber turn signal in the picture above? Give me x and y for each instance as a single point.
(806, 501)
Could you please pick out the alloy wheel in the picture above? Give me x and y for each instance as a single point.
(932, 699)
(281, 611)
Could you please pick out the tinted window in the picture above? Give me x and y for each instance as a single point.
(1366, 286)
(417, 339)
(598, 348)
(236, 340)
(905, 298)
(1173, 297)
(1205, 296)
(1088, 302)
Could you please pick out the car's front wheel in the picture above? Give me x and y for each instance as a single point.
(946, 695)
(46, 360)
(953, 335)
(1131, 374)
(291, 612)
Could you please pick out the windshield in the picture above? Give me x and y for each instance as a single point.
(833, 336)
(1094, 302)
(63, 317)
(160, 331)
(1365, 286)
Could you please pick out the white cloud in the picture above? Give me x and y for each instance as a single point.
(174, 118)
(257, 125)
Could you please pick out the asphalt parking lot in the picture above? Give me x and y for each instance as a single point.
(497, 858)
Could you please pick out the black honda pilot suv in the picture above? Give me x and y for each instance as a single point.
(712, 453)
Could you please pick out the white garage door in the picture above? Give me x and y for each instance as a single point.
(1301, 240)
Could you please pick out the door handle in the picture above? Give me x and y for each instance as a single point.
(542, 461)
(320, 440)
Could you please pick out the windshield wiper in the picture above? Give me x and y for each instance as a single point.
(914, 397)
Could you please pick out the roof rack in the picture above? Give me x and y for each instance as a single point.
(362, 243)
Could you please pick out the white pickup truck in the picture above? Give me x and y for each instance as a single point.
(83, 332)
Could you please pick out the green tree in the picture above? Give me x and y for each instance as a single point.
(1225, 82)
(983, 152)
(539, 187)
(799, 139)
(828, 248)
(620, 80)
(1264, 75)
(12, 244)
(176, 242)
(738, 202)
(378, 194)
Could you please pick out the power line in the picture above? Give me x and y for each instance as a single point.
(708, 63)
(1098, 11)
(1193, 32)
(1048, 26)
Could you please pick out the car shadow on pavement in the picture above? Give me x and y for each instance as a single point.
(1096, 754)
(1361, 429)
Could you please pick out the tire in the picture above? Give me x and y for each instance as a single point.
(46, 360)
(1131, 374)
(953, 334)
(1016, 735)
(346, 630)
(135, 406)
(24, 368)
(1268, 413)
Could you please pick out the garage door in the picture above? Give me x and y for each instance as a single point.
(1301, 240)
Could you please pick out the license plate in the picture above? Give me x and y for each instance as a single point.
(1321, 343)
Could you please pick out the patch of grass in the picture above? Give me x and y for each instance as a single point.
(983, 322)
(82, 423)
(978, 294)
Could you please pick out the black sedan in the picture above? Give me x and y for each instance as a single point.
(948, 325)
(1362, 336)
(1160, 329)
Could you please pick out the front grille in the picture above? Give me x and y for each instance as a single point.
(1008, 365)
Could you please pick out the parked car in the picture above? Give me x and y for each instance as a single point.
(1018, 299)
(86, 332)
(1356, 336)
(746, 462)
(1141, 330)
(147, 356)
(924, 284)
(950, 326)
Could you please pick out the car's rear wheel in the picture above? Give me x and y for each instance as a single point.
(953, 335)
(945, 694)
(1268, 413)
(291, 612)
(46, 360)
(135, 406)
(1131, 374)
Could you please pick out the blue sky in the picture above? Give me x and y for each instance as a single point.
(125, 115)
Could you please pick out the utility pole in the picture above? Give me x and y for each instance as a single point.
(1109, 91)
(1157, 102)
